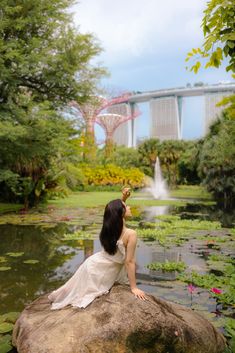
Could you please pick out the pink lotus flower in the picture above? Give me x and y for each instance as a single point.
(216, 290)
(191, 288)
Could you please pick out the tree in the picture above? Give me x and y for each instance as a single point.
(218, 26)
(217, 161)
(28, 152)
(125, 157)
(169, 155)
(45, 63)
(188, 163)
(43, 55)
(148, 152)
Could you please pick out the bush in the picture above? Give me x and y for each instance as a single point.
(111, 175)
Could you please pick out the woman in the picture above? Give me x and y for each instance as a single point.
(99, 272)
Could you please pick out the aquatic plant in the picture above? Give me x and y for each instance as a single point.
(225, 283)
(167, 266)
(7, 321)
(77, 235)
(5, 268)
(15, 254)
(31, 262)
(191, 288)
(170, 230)
(216, 290)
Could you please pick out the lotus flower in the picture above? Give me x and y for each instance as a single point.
(191, 288)
(216, 290)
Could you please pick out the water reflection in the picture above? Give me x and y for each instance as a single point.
(23, 282)
(59, 259)
(152, 212)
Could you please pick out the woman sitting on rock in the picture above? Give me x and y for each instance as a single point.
(99, 272)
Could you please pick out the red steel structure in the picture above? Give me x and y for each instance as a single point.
(90, 111)
(116, 115)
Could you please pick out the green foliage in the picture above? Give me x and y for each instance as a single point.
(190, 191)
(148, 152)
(126, 157)
(167, 266)
(177, 158)
(217, 161)
(174, 231)
(6, 326)
(219, 31)
(5, 268)
(188, 163)
(77, 235)
(170, 154)
(43, 55)
(230, 327)
(113, 175)
(45, 63)
(226, 283)
(15, 254)
(31, 262)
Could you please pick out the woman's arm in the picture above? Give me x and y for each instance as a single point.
(125, 193)
(130, 264)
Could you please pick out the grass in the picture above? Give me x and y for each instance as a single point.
(97, 198)
(191, 191)
(101, 198)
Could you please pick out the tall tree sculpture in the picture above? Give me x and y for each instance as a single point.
(89, 113)
(116, 115)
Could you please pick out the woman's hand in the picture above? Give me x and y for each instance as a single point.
(138, 293)
(125, 193)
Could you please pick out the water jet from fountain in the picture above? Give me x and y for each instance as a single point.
(158, 187)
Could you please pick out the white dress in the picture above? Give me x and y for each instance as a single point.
(95, 276)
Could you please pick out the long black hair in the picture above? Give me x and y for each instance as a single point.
(112, 225)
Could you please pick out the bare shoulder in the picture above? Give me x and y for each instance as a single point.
(130, 235)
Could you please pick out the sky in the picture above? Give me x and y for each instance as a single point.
(145, 44)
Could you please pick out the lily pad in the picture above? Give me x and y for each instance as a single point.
(10, 317)
(15, 254)
(6, 327)
(5, 268)
(2, 259)
(5, 347)
(5, 339)
(32, 262)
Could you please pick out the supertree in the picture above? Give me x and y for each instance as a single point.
(116, 115)
(89, 112)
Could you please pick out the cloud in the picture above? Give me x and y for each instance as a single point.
(128, 29)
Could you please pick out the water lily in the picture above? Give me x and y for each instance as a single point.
(216, 290)
(191, 288)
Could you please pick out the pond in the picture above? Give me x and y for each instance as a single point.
(38, 257)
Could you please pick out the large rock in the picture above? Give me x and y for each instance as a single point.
(115, 323)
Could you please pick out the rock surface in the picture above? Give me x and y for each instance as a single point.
(115, 323)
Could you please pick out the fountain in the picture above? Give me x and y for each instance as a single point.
(158, 186)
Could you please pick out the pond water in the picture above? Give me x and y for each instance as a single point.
(39, 260)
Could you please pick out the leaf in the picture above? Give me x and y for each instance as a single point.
(2, 259)
(2, 268)
(15, 254)
(5, 339)
(6, 327)
(32, 262)
(5, 347)
(11, 316)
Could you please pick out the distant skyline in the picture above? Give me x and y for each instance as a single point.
(145, 49)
